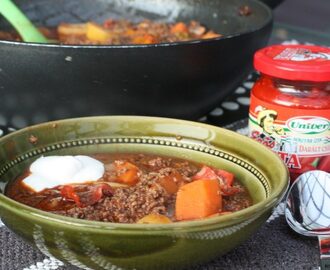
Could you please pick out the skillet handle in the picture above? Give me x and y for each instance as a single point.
(20, 22)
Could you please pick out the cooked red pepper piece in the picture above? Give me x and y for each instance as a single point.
(205, 173)
(93, 193)
(84, 195)
(228, 177)
(225, 179)
(69, 193)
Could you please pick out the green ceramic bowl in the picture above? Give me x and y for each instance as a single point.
(97, 245)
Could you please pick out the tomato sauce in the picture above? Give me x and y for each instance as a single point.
(290, 105)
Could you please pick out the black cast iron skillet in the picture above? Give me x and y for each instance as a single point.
(183, 80)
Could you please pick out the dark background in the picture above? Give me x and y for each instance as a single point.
(310, 14)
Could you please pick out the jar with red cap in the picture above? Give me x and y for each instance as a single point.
(290, 105)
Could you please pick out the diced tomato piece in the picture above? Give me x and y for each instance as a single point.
(93, 193)
(228, 177)
(225, 179)
(69, 193)
(109, 23)
(84, 195)
(205, 173)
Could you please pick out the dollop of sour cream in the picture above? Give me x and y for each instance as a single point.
(52, 171)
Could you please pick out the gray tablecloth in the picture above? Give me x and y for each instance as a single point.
(273, 246)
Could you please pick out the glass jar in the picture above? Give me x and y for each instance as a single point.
(290, 105)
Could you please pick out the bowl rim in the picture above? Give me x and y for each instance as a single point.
(250, 212)
(266, 22)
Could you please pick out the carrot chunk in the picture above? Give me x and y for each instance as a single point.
(145, 39)
(95, 32)
(210, 34)
(198, 199)
(171, 182)
(168, 184)
(127, 173)
(72, 29)
(179, 27)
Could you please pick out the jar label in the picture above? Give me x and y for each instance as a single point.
(301, 137)
(301, 54)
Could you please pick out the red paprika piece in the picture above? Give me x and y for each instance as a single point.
(290, 105)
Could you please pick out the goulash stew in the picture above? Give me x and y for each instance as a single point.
(117, 32)
(129, 188)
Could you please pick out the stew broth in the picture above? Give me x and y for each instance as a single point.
(141, 188)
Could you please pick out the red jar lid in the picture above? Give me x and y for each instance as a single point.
(294, 62)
